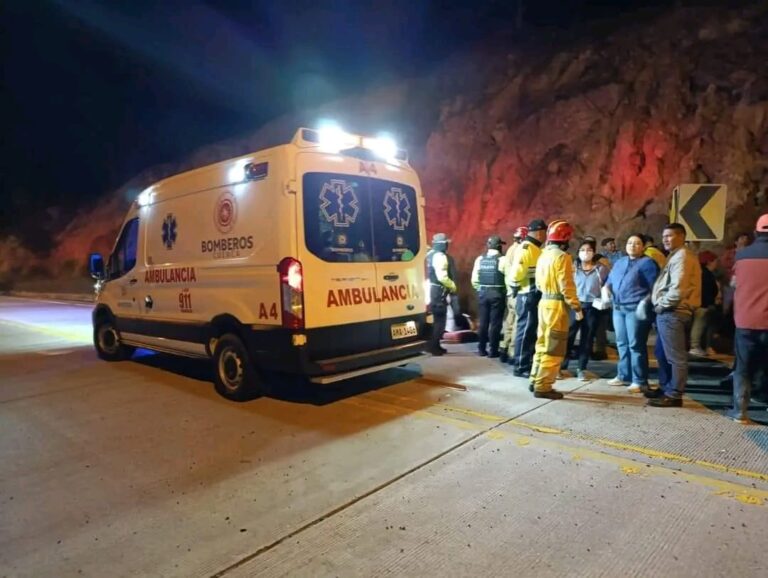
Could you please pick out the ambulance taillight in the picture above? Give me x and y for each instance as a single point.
(292, 293)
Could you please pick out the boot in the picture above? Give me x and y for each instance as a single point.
(551, 394)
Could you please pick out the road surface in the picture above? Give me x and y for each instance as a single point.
(449, 468)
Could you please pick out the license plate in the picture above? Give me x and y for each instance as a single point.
(402, 330)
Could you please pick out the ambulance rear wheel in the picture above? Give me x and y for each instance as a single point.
(106, 339)
(234, 374)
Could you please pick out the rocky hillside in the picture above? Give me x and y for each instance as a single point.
(596, 126)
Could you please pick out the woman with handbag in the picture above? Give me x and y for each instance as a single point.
(629, 284)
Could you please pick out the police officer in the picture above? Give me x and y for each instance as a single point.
(554, 277)
(523, 274)
(440, 286)
(507, 345)
(488, 281)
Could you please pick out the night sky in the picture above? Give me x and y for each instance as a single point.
(95, 92)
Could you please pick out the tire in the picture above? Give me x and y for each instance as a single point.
(106, 339)
(234, 374)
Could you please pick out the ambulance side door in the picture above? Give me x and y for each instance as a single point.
(119, 291)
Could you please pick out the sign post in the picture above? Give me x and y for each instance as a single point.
(701, 210)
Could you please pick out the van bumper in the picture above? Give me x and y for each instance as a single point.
(280, 355)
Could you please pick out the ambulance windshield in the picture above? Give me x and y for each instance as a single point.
(349, 218)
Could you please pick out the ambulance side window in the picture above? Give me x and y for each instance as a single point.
(123, 259)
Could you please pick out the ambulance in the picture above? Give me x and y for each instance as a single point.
(305, 258)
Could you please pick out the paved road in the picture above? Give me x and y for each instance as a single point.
(451, 468)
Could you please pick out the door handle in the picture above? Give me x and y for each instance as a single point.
(133, 281)
(148, 302)
(391, 277)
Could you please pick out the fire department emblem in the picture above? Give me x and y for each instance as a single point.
(339, 203)
(397, 209)
(225, 213)
(169, 231)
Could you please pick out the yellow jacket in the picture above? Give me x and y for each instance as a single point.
(554, 276)
(510, 257)
(656, 255)
(523, 270)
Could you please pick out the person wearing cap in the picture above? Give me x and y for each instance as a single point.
(675, 296)
(507, 345)
(750, 302)
(703, 317)
(488, 281)
(440, 286)
(555, 280)
(524, 275)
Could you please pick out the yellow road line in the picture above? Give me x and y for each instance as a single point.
(649, 452)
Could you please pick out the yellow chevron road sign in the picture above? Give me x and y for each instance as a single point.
(701, 210)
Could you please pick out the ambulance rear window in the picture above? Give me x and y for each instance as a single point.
(348, 218)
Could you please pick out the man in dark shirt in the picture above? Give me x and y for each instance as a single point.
(704, 316)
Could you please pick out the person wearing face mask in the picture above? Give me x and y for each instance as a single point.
(630, 283)
(589, 276)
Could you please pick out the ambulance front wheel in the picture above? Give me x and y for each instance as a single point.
(106, 339)
(234, 374)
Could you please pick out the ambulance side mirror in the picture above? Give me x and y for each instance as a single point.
(96, 266)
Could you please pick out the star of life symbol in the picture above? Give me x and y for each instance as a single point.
(169, 231)
(397, 209)
(340, 204)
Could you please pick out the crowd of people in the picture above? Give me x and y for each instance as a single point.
(536, 299)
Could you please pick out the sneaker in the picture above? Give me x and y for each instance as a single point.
(617, 381)
(482, 353)
(697, 352)
(551, 394)
(503, 357)
(582, 375)
(635, 388)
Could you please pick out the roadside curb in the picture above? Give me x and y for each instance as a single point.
(79, 297)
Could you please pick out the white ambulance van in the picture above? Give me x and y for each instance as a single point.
(305, 258)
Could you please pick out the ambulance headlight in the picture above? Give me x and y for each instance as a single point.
(332, 138)
(383, 147)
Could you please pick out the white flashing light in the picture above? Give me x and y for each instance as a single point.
(333, 139)
(236, 172)
(384, 147)
(145, 197)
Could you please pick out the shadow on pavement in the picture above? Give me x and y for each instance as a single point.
(284, 387)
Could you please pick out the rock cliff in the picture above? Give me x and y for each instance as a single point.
(596, 126)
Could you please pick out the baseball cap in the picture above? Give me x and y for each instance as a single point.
(495, 240)
(706, 257)
(762, 224)
(440, 238)
(537, 225)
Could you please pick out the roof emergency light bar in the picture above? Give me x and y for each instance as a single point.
(333, 139)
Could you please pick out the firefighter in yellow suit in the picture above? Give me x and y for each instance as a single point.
(555, 280)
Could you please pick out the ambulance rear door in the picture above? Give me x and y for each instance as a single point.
(335, 239)
(399, 254)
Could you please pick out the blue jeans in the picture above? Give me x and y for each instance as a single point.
(671, 352)
(751, 351)
(632, 343)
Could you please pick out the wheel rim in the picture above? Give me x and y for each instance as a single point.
(231, 369)
(108, 339)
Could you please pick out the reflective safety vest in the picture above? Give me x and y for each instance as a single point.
(489, 274)
(430, 268)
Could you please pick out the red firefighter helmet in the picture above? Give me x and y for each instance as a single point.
(521, 233)
(559, 231)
